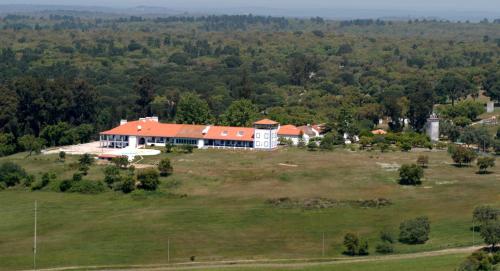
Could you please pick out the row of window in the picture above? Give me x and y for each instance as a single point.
(266, 135)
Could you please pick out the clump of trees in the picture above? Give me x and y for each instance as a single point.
(483, 163)
(387, 243)
(414, 231)
(461, 155)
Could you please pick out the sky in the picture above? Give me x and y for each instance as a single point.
(488, 8)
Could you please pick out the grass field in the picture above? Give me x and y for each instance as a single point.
(224, 215)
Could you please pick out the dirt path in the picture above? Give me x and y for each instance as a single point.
(273, 263)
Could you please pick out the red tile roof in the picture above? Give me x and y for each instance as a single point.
(154, 128)
(266, 122)
(229, 133)
(379, 132)
(289, 130)
(145, 128)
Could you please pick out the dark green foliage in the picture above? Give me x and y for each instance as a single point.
(485, 214)
(461, 155)
(387, 236)
(453, 87)
(87, 187)
(421, 102)
(31, 144)
(11, 174)
(491, 233)
(148, 179)
(120, 162)
(7, 144)
(385, 248)
(165, 167)
(62, 155)
(46, 179)
(241, 113)
(85, 161)
(479, 261)
(127, 184)
(414, 231)
(483, 163)
(65, 185)
(410, 174)
(354, 245)
(111, 175)
(464, 109)
(186, 148)
(192, 110)
(312, 145)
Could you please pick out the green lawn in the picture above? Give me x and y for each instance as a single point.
(224, 215)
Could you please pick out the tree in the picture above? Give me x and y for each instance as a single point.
(421, 102)
(453, 87)
(165, 167)
(168, 147)
(312, 145)
(491, 233)
(240, 113)
(85, 161)
(483, 163)
(485, 214)
(354, 245)
(62, 155)
(149, 179)
(31, 144)
(83, 103)
(492, 85)
(120, 162)
(111, 175)
(410, 175)
(423, 161)
(414, 231)
(11, 174)
(300, 68)
(144, 88)
(7, 144)
(461, 155)
(128, 184)
(192, 110)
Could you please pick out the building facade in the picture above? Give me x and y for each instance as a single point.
(150, 132)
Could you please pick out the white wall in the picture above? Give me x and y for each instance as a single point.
(265, 139)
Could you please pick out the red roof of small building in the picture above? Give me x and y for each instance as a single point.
(266, 122)
(289, 130)
(229, 133)
(379, 132)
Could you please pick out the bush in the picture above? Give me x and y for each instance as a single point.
(483, 163)
(354, 245)
(149, 179)
(384, 248)
(461, 155)
(127, 185)
(168, 147)
(312, 145)
(65, 185)
(423, 161)
(186, 148)
(386, 236)
(165, 167)
(120, 162)
(410, 175)
(11, 174)
(111, 175)
(62, 156)
(414, 231)
(47, 178)
(87, 187)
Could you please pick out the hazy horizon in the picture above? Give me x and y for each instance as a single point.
(451, 9)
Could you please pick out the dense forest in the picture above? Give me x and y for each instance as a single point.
(64, 77)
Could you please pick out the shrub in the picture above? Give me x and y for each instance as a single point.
(384, 248)
(386, 236)
(404, 146)
(312, 145)
(423, 161)
(127, 185)
(186, 148)
(120, 162)
(491, 233)
(484, 214)
(168, 147)
(11, 174)
(354, 245)
(327, 142)
(87, 187)
(62, 156)
(479, 260)
(111, 175)
(410, 175)
(483, 163)
(65, 185)
(148, 179)
(414, 231)
(85, 161)
(461, 155)
(47, 178)
(165, 167)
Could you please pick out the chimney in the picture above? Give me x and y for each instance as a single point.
(123, 122)
(139, 128)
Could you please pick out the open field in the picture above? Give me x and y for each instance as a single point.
(224, 215)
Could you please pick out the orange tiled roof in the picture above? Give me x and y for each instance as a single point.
(147, 128)
(266, 122)
(289, 130)
(154, 128)
(230, 133)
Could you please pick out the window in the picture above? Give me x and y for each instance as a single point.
(257, 135)
(258, 144)
(266, 144)
(266, 136)
(241, 133)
